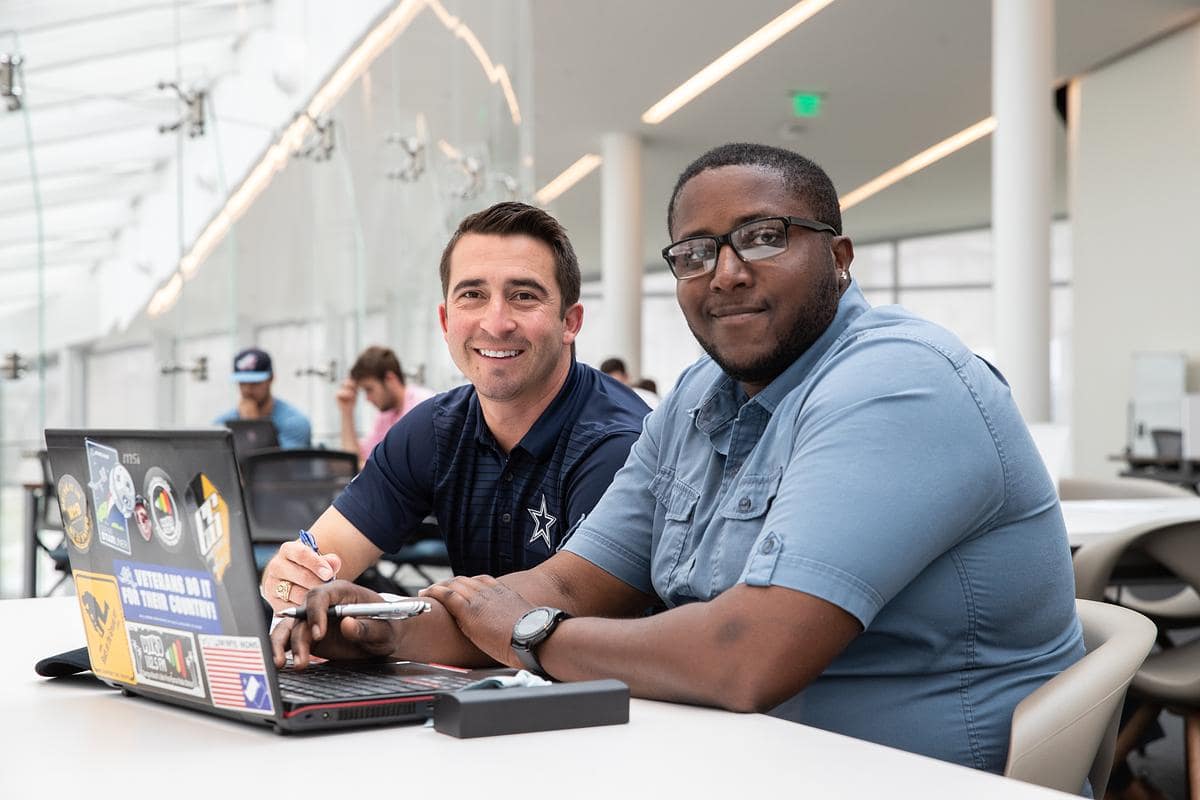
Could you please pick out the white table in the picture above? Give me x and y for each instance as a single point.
(77, 737)
(1091, 521)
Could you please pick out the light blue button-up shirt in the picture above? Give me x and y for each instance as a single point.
(888, 472)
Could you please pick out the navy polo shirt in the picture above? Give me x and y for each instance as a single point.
(497, 513)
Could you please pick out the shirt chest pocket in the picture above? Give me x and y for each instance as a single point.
(677, 504)
(751, 498)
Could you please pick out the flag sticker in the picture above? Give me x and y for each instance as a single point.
(237, 675)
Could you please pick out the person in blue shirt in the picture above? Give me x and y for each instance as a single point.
(253, 374)
(509, 463)
(840, 508)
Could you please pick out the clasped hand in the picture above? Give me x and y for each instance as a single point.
(485, 610)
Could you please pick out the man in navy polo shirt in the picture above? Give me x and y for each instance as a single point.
(508, 464)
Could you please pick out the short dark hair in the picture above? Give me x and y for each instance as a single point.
(610, 365)
(376, 362)
(805, 178)
(519, 219)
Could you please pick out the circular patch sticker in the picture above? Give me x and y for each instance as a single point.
(72, 503)
(123, 492)
(163, 506)
(141, 515)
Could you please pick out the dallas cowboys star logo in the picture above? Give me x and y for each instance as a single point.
(543, 521)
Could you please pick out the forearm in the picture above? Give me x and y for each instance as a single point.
(665, 657)
(749, 649)
(349, 435)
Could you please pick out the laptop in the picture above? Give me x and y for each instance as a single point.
(165, 578)
(252, 435)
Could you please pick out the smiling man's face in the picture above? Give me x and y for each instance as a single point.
(503, 318)
(756, 318)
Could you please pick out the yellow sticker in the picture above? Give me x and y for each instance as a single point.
(212, 524)
(72, 504)
(104, 623)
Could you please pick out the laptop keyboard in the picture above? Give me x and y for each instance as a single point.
(328, 682)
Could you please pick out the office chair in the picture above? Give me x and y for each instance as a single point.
(1169, 678)
(1168, 443)
(1066, 730)
(1119, 489)
(287, 490)
(1179, 610)
(49, 521)
(424, 549)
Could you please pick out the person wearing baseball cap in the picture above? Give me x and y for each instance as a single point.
(253, 374)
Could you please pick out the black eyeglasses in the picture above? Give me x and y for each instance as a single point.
(752, 241)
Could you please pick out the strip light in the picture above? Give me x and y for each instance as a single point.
(735, 57)
(292, 138)
(568, 178)
(919, 162)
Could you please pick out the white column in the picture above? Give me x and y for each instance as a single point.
(1022, 175)
(621, 248)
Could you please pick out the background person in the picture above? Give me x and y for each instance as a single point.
(253, 374)
(377, 372)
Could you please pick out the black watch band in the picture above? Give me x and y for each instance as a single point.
(533, 628)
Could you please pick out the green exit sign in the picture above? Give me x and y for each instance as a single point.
(806, 104)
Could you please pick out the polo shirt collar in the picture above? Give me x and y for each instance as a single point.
(723, 400)
(539, 440)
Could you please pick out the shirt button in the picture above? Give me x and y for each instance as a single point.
(768, 546)
(508, 477)
(744, 504)
(506, 518)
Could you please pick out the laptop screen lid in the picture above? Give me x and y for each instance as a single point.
(164, 572)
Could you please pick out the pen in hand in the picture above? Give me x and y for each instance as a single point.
(309, 541)
(400, 609)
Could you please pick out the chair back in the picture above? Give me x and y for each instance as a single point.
(1066, 730)
(1118, 489)
(287, 490)
(1168, 443)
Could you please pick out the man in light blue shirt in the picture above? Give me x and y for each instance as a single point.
(253, 374)
(840, 507)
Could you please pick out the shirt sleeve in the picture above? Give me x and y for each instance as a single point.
(892, 467)
(594, 474)
(393, 493)
(617, 534)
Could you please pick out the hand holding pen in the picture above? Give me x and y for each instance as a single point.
(298, 567)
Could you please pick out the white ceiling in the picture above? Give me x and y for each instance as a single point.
(897, 77)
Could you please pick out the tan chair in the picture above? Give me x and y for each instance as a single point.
(1169, 678)
(1180, 610)
(1118, 489)
(1066, 730)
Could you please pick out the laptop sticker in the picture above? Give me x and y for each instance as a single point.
(141, 515)
(163, 506)
(165, 658)
(104, 624)
(212, 523)
(112, 496)
(237, 676)
(178, 598)
(72, 504)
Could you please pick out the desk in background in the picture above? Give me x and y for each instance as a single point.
(1095, 520)
(81, 735)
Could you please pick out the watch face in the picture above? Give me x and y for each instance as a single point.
(533, 622)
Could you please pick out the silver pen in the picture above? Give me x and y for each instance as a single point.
(399, 609)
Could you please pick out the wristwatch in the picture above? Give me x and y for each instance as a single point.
(533, 628)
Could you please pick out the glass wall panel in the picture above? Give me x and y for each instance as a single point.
(954, 259)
